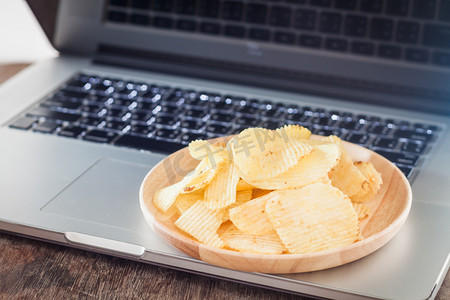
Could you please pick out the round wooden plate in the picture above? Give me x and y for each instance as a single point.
(389, 210)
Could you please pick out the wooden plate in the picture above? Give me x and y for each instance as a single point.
(389, 208)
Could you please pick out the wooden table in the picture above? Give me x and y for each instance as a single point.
(30, 268)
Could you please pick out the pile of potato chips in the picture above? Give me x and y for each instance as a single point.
(272, 192)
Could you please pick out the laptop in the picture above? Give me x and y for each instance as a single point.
(138, 79)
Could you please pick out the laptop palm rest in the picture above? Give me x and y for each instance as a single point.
(107, 193)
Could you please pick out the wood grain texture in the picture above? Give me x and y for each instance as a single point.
(390, 208)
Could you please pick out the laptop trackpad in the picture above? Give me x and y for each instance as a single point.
(107, 193)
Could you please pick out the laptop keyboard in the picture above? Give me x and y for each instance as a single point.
(414, 31)
(163, 119)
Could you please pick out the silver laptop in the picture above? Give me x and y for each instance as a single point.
(138, 79)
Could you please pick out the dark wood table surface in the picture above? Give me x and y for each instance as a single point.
(36, 269)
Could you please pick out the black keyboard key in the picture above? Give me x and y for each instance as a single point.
(259, 34)
(436, 36)
(143, 129)
(350, 125)
(441, 59)
(417, 55)
(140, 4)
(191, 124)
(397, 7)
(247, 121)
(186, 25)
(389, 51)
(413, 147)
(311, 41)
(140, 115)
(91, 120)
(330, 22)
(163, 22)
(371, 6)
(221, 117)
(210, 28)
(400, 158)
(284, 37)
(195, 113)
(413, 135)
(280, 16)
(304, 19)
(444, 11)
(122, 3)
(381, 29)
(363, 48)
(167, 133)
(345, 4)
(234, 31)
(327, 132)
(217, 129)
(115, 125)
(209, 8)
(168, 120)
(56, 115)
(117, 113)
(73, 95)
(117, 16)
(188, 137)
(424, 9)
(163, 5)
(185, 7)
(407, 32)
(150, 144)
(336, 44)
(99, 136)
(256, 13)
(355, 26)
(61, 103)
(385, 142)
(232, 10)
(23, 123)
(140, 19)
(46, 126)
(71, 131)
(357, 138)
(271, 124)
(323, 3)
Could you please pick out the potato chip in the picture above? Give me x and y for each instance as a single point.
(241, 198)
(221, 191)
(313, 218)
(374, 182)
(184, 201)
(251, 217)
(200, 149)
(345, 176)
(165, 197)
(295, 132)
(243, 185)
(361, 210)
(245, 242)
(309, 169)
(261, 153)
(201, 223)
(205, 171)
(260, 192)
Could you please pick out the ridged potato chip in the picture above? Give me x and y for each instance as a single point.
(251, 217)
(243, 185)
(184, 201)
(165, 197)
(221, 191)
(201, 223)
(309, 169)
(199, 149)
(313, 218)
(250, 243)
(261, 153)
(345, 176)
(374, 182)
(361, 210)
